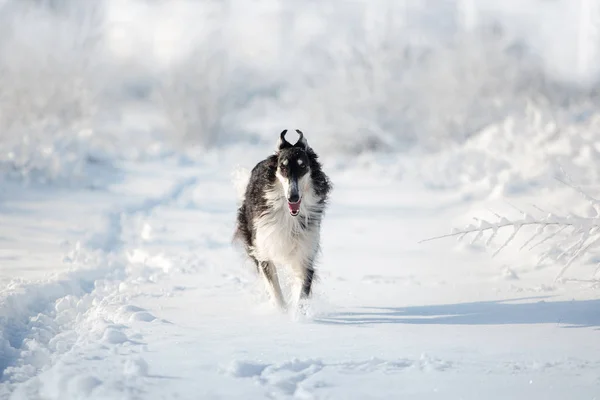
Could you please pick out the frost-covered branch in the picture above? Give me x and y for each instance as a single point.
(568, 236)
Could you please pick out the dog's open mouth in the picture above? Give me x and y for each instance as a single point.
(294, 207)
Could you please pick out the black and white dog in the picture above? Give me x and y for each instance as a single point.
(279, 220)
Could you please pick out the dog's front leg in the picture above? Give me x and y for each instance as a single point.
(305, 274)
(307, 281)
(269, 272)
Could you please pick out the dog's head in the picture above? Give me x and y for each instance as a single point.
(293, 170)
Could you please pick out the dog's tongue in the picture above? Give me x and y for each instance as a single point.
(294, 207)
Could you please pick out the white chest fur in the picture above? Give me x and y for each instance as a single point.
(283, 238)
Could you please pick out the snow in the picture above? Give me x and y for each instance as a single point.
(160, 305)
(122, 164)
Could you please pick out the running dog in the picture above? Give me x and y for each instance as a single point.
(279, 220)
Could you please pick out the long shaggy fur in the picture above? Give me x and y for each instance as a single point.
(271, 234)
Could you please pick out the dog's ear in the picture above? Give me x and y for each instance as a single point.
(302, 143)
(282, 143)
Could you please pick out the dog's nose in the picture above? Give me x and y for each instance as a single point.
(294, 198)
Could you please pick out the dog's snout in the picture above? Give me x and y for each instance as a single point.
(294, 197)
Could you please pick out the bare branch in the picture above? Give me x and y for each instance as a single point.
(505, 223)
(584, 234)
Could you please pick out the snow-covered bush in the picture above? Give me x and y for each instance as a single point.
(49, 84)
(391, 75)
(380, 75)
(195, 96)
(522, 153)
(394, 95)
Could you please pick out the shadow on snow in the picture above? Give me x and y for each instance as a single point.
(582, 313)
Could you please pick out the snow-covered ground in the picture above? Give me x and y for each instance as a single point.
(123, 126)
(135, 291)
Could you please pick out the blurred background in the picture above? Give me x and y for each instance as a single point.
(495, 94)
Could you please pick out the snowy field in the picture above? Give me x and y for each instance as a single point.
(123, 131)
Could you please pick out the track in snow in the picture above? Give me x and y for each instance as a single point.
(38, 319)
